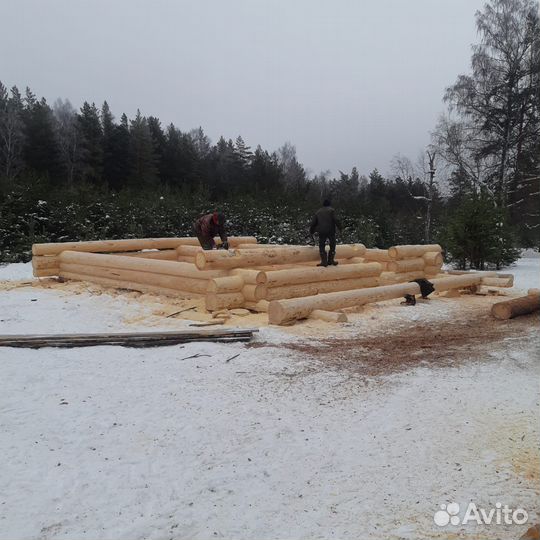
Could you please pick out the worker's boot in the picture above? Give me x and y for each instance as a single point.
(331, 261)
(324, 259)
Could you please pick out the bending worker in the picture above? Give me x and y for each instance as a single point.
(208, 226)
(324, 223)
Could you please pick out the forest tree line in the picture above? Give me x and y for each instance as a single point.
(69, 174)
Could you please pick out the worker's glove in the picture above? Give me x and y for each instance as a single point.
(225, 245)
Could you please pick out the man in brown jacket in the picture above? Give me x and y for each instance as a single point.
(208, 226)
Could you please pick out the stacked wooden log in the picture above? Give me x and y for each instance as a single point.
(407, 263)
(281, 280)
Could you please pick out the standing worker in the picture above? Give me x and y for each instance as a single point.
(324, 223)
(208, 226)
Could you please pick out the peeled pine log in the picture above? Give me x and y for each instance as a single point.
(215, 302)
(407, 265)
(261, 306)
(45, 262)
(390, 278)
(188, 251)
(130, 285)
(498, 281)
(234, 241)
(47, 272)
(225, 284)
(280, 278)
(286, 311)
(533, 291)
(252, 277)
(218, 259)
(404, 252)
(328, 316)
(320, 287)
(433, 258)
(516, 307)
(173, 268)
(106, 246)
(379, 255)
(190, 260)
(184, 284)
(254, 293)
(161, 254)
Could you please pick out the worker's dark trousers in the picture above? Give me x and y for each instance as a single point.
(322, 243)
(206, 243)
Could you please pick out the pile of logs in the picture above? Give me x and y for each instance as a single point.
(284, 281)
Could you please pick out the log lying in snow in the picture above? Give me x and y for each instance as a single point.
(138, 339)
(516, 306)
(403, 252)
(328, 316)
(533, 291)
(221, 259)
(285, 311)
(293, 276)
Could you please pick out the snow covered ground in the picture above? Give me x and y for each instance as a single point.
(109, 442)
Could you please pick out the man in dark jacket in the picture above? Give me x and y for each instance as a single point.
(208, 226)
(324, 223)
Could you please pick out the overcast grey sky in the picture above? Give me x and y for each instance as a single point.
(348, 82)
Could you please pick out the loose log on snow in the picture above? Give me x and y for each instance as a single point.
(172, 268)
(407, 265)
(280, 278)
(533, 291)
(320, 287)
(184, 284)
(286, 311)
(263, 257)
(215, 302)
(516, 306)
(328, 316)
(402, 252)
(130, 285)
